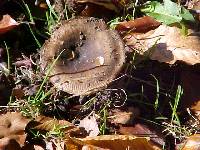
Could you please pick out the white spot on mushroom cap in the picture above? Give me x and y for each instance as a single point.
(99, 61)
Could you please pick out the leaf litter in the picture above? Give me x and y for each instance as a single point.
(147, 93)
(7, 23)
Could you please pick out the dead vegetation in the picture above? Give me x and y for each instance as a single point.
(99, 74)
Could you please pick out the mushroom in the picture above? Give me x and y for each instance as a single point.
(92, 56)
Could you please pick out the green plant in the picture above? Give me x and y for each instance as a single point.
(174, 116)
(5, 70)
(28, 13)
(52, 19)
(32, 106)
(174, 127)
(157, 93)
(57, 131)
(103, 118)
(168, 13)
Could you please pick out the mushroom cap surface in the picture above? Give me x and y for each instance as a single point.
(92, 56)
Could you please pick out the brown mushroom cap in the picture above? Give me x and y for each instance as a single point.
(93, 55)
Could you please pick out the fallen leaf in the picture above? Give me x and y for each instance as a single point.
(91, 147)
(167, 44)
(124, 117)
(8, 143)
(113, 142)
(7, 23)
(38, 147)
(140, 25)
(192, 143)
(142, 130)
(96, 11)
(90, 125)
(119, 142)
(48, 124)
(12, 125)
(105, 3)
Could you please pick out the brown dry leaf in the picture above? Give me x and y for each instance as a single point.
(119, 142)
(38, 147)
(48, 124)
(12, 125)
(7, 23)
(8, 143)
(91, 147)
(192, 143)
(105, 3)
(124, 117)
(142, 130)
(96, 11)
(167, 44)
(140, 25)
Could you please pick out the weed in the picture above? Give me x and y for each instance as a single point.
(103, 113)
(157, 93)
(174, 116)
(5, 70)
(103, 122)
(28, 12)
(52, 19)
(113, 23)
(174, 127)
(32, 106)
(57, 131)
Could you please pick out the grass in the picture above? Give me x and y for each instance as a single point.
(175, 128)
(52, 19)
(102, 110)
(28, 12)
(174, 116)
(57, 131)
(157, 93)
(6, 71)
(33, 106)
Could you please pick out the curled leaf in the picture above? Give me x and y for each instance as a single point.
(142, 25)
(7, 23)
